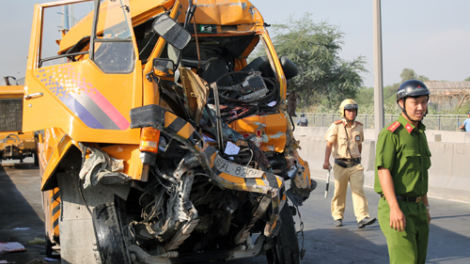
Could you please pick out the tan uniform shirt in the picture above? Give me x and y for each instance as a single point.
(340, 139)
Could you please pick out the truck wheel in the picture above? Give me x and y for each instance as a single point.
(285, 249)
(109, 236)
(78, 243)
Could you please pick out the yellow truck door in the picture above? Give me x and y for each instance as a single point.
(89, 96)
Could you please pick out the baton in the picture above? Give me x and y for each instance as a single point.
(327, 181)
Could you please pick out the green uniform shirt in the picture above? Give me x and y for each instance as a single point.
(403, 149)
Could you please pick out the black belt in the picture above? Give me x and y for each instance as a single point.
(408, 198)
(357, 160)
(348, 163)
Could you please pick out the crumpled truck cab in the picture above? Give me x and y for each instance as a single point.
(165, 138)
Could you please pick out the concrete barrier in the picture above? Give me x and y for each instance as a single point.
(458, 187)
(449, 175)
(432, 135)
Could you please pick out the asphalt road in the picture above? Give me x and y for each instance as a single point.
(20, 207)
(449, 240)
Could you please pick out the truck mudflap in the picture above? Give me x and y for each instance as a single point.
(225, 173)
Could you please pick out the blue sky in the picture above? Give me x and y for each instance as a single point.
(431, 37)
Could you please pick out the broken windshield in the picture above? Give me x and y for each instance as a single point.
(113, 49)
(116, 18)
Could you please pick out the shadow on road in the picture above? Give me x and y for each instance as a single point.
(450, 216)
(20, 192)
(448, 247)
(339, 245)
(335, 245)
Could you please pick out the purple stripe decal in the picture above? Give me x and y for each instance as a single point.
(82, 98)
(108, 108)
(95, 110)
(80, 111)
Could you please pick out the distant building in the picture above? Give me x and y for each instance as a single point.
(445, 95)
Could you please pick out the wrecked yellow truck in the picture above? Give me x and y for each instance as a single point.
(14, 144)
(164, 141)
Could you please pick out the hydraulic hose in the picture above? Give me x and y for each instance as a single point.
(11, 136)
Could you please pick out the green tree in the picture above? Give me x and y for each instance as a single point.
(314, 48)
(365, 96)
(467, 80)
(408, 74)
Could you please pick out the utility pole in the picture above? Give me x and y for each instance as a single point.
(65, 17)
(71, 18)
(378, 71)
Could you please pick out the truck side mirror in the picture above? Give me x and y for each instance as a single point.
(171, 31)
(289, 68)
(163, 67)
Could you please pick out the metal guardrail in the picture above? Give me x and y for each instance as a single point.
(432, 122)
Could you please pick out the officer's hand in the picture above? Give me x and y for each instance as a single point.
(397, 219)
(326, 165)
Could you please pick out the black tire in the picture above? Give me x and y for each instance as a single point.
(49, 250)
(78, 241)
(109, 234)
(285, 249)
(36, 160)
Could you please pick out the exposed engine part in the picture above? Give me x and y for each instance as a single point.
(244, 233)
(242, 251)
(253, 87)
(182, 234)
(188, 162)
(168, 214)
(171, 219)
(298, 195)
(292, 171)
(137, 253)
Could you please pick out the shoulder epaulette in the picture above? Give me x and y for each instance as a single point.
(338, 121)
(359, 123)
(394, 126)
(408, 128)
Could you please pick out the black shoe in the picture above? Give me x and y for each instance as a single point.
(366, 221)
(338, 222)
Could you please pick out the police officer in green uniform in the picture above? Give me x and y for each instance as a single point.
(401, 177)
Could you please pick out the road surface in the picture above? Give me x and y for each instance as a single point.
(20, 207)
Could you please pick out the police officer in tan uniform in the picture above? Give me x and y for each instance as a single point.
(344, 141)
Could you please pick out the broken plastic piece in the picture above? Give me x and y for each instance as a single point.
(37, 241)
(7, 247)
(231, 149)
